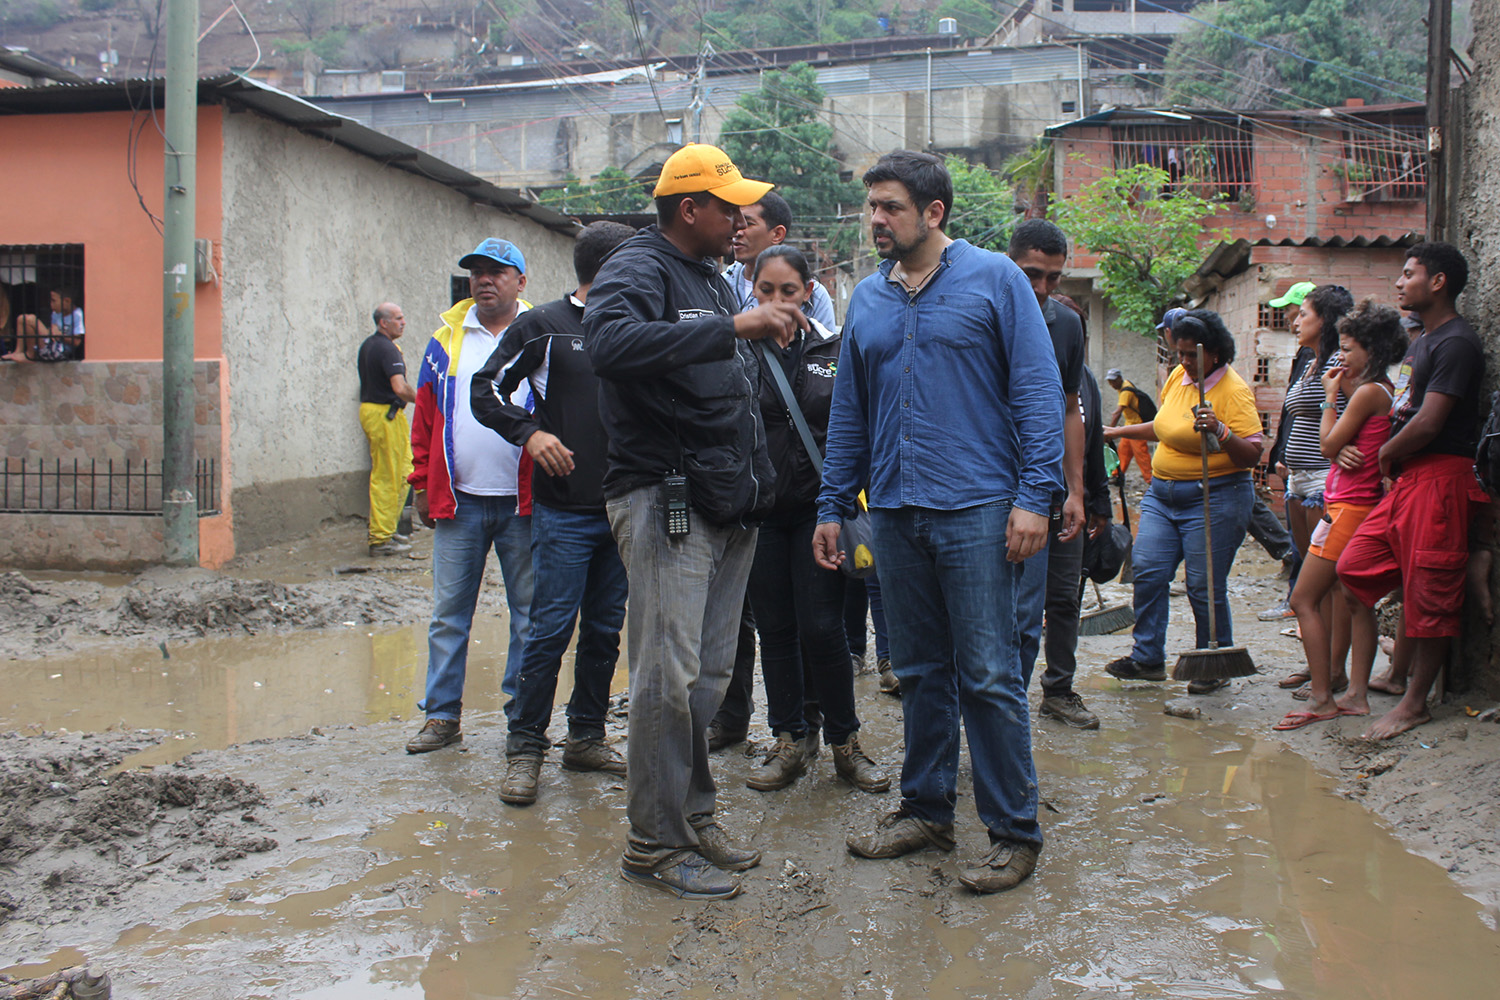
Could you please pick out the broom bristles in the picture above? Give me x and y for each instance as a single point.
(1214, 664)
(1107, 621)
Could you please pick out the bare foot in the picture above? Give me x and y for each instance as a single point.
(1395, 722)
(1385, 685)
(1351, 704)
(1388, 646)
(1479, 583)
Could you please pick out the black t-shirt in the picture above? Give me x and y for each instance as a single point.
(379, 359)
(1066, 330)
(1449, 360)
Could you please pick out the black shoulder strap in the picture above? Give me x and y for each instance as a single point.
(784, 387)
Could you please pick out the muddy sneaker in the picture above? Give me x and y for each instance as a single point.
(390, 547)
(721, 852)
(434, 735)
(854, 766)
(1068, 708)
(900, 833)
(1278, 611)
(1127, 669)
(721, 736)
(1006, 866)
(690, 877)
(403, 539)
(592, 755)
(522, 771)
(889, 682)
(784, 762)
(1207, 687)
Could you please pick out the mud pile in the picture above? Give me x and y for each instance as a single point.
(38, 618)
(75, 836)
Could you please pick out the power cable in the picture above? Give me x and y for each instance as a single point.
(635, 23)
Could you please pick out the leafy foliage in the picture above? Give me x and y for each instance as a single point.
(983, 205)
(761, 23)
(1371, 49)
(613, 192)
(1146, 239)
(776, 133)
(328, 46)
(36, 15)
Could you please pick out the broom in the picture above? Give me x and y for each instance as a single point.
(1106, 621)
(1213, 663)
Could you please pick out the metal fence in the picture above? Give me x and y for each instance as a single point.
(96, 486)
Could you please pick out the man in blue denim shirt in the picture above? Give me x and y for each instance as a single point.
(948, 404)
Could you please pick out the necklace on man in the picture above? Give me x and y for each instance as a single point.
(913, 289)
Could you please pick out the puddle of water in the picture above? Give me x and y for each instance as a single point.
(1184, 860)
(214, 693)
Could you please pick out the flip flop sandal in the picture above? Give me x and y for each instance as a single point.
(1350, 711)
(1296, 680)
(1296, 720)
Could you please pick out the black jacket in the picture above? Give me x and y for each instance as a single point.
(809, 364)
(545, 345)
(1095, 480)
(678, 388)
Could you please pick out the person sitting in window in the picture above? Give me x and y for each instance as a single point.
(61, 339)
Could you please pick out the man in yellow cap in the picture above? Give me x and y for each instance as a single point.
(687, 471)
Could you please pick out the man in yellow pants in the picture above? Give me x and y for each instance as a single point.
(383, 395)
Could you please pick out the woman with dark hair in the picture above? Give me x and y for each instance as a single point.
(1303, 467)
(1371, 340)
(799, 605)
(1171, 529)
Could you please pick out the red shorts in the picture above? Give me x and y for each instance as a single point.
(1417, 539)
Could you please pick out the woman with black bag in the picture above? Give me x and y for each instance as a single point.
(798, 605)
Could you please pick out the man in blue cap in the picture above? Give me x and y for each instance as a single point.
(473, 488)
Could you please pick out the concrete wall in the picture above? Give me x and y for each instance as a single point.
(1475, 228)
(314, 238)
(96, 412)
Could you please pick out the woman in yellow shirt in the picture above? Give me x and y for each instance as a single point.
(1171, 522)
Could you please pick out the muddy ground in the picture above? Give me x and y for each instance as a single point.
(1205, 857)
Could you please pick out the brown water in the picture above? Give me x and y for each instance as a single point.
(1183, 860)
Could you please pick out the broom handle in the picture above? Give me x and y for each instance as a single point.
(1208, 538)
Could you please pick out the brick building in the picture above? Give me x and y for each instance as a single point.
(1320, 195)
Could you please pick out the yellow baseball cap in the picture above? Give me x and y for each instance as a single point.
(699, 167)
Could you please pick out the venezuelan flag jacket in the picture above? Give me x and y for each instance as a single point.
(432, 419)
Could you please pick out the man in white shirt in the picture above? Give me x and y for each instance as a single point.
(472, 487)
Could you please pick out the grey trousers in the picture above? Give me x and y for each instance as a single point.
(683, 621)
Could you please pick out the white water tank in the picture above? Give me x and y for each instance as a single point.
(947, 26)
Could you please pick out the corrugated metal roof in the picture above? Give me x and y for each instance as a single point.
(1109, 114)
(1228, 259)
(290, 110)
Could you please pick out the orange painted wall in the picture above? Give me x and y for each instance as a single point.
(65, 182)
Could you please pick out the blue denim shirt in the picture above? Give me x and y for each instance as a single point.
(948, 400)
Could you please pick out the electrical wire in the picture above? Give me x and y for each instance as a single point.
(635, 22)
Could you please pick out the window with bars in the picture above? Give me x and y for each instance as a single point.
(1384, 162)
(41, 302)
(1270, 318)
(1262, 369)
(1209, 159)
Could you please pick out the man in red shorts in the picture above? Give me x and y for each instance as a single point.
(1417, 538)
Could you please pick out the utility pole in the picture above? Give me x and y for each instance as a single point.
(1439, 40)
(695, 104)
(179, 502)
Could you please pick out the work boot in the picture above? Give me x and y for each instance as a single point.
(390, 547)
(722, 852)
(1006, 866)
(592, 755)
(854, 766)
(522, 771)
(434, 735)
(900, 833)
(889, 682)
(784, 762)
(691, 876)
(812, 745)
(721, 736)
(1127, 669)
(1069, 708)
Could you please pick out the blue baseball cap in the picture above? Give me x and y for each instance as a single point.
(496, 251)
(1171, 317)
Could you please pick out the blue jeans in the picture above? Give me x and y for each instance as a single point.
(577, 569)
(460, 548)
(862, 599)
(950, 599)
(1171, 531)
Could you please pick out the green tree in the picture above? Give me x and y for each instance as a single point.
(761, 23)
(613, 192)
(1146, 241)
(776, 133)
(1359, 48)
(984, 210)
